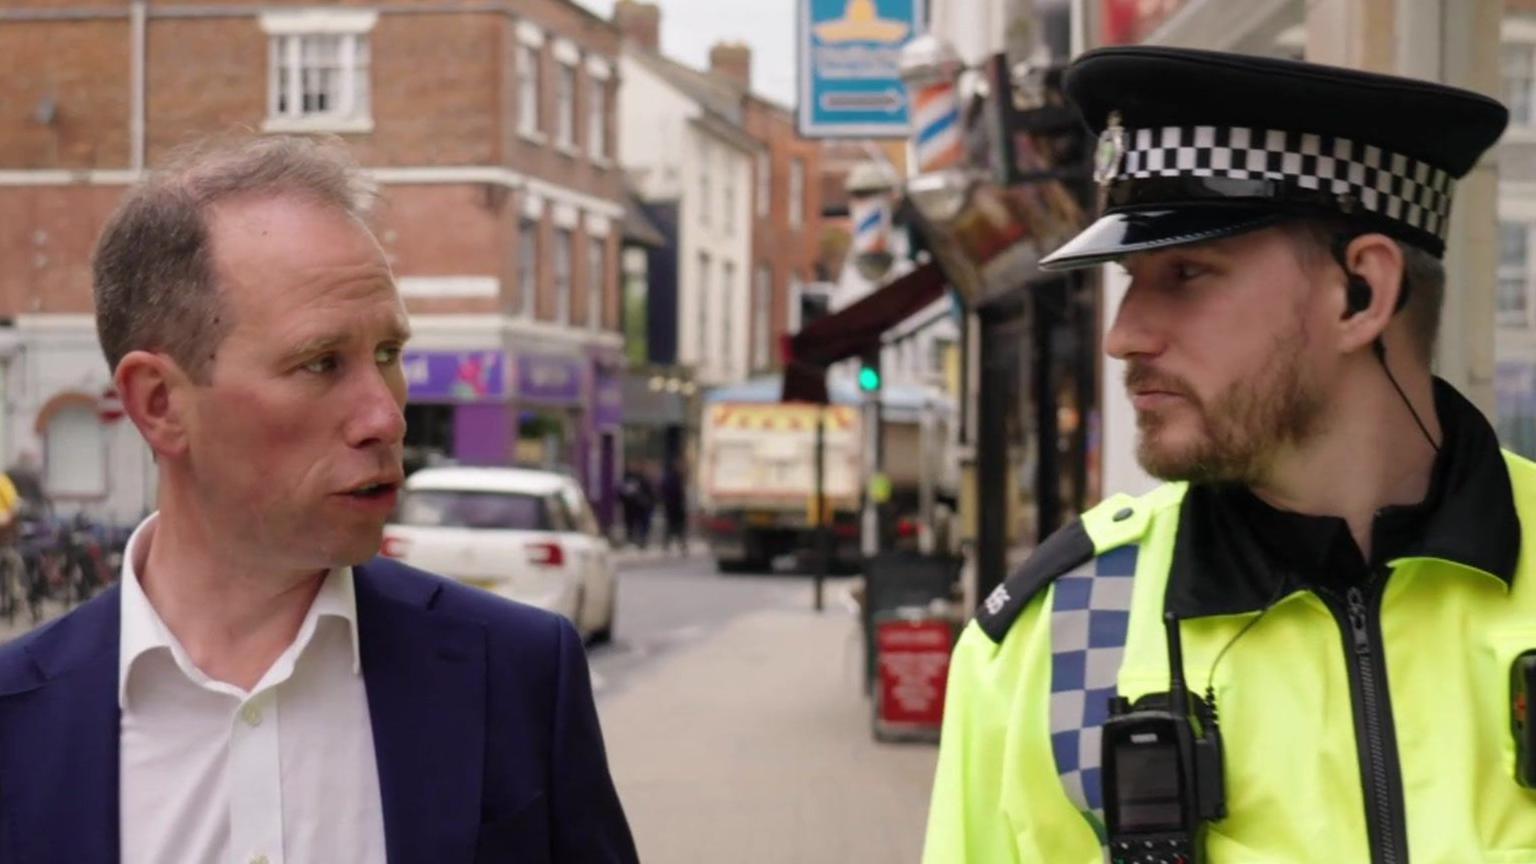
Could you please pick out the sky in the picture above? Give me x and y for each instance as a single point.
(690, 27)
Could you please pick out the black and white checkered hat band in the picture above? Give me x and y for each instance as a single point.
(1387, 184)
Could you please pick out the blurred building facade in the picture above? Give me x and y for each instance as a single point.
(492, 130)
(1488, 338)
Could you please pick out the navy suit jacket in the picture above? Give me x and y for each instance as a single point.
(484, 729)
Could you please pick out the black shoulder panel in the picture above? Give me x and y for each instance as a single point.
(1061, 553)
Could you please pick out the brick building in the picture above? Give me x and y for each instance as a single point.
(491, 128)
(786, 208)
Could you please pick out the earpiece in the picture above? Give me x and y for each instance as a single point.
(1358, 298)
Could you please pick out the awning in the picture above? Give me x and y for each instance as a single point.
(854, 329)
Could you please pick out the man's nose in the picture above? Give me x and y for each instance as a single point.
(1134, 331)
(378, 415)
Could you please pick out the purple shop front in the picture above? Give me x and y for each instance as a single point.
(475, 384)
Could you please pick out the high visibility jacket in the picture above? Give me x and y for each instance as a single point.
(1365, 710)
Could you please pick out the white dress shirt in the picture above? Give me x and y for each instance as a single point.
(284, 774)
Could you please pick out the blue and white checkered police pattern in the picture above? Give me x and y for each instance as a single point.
(1090, 612)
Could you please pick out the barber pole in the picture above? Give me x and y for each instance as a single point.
(871, 224)
(937, 120)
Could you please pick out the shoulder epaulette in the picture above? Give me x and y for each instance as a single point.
(1116, 522)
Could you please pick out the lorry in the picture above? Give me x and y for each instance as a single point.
(757, 481)
(757, 474)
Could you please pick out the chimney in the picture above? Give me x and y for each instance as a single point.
(733, 62)
(639, 22)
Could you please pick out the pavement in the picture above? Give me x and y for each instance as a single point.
(753, 745)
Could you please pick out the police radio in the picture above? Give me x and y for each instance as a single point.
(1162, 771)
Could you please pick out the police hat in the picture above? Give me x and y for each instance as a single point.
(1198, 145)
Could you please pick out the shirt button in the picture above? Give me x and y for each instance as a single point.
(251, 714)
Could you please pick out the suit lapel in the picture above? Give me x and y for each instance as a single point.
(425, 676)
(59, 744)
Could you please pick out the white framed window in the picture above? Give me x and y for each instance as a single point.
(597, 119)
(562, 262)
(706, 186)
(728, 316)
(762, 316)
(1518, 61)
(528, 266)
(528, 90)
(597, 278)
(764, 194)
(75, 453)
(1513, 301)
(703, 319)
(565, 107)
(318, 82)
(796, 193)
(318, 64)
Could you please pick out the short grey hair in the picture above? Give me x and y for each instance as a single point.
(152, 274)
(1423, 275)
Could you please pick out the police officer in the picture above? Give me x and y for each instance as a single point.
(1339, 539)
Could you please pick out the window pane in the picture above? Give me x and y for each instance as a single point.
(728, 318)
(703, 322)
(433, 508)
(762, 315)
(528, 266)
(528, 93)
(563, 276)
(566, 106)
(796, 193)
(597, 275)
(1514, 269)
(764, 184)
(1517, 63)
(597, 120)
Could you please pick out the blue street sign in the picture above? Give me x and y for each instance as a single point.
(850, 67)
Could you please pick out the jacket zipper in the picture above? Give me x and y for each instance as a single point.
(1376, 740)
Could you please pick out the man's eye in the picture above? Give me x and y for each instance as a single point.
(1186, 270)
(387, 356)
(321, 365)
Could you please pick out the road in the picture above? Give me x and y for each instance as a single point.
(667, 604)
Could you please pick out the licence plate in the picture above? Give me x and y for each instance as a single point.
(761, 519)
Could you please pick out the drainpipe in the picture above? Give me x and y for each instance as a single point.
(137, 85)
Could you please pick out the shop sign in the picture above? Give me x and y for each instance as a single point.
(549, 378)
(850, 66)
(608, 402)
(913, 667)
(456, 376)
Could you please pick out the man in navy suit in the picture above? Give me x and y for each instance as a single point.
(259, 688)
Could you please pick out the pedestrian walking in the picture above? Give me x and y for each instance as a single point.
(638, 499)
(1310, 644)
(259, 686)
(674, 506)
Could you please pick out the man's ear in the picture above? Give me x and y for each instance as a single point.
(1372, 261)
(154, 391)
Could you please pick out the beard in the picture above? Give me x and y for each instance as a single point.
(1238, 431)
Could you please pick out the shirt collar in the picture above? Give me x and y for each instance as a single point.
(142, 630)
(1234, 553)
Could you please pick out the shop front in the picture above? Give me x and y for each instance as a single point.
(550, 396)
(458, 409)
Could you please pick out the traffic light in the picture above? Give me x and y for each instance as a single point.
(869, 371)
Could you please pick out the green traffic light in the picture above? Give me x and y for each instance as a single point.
(869, 378)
